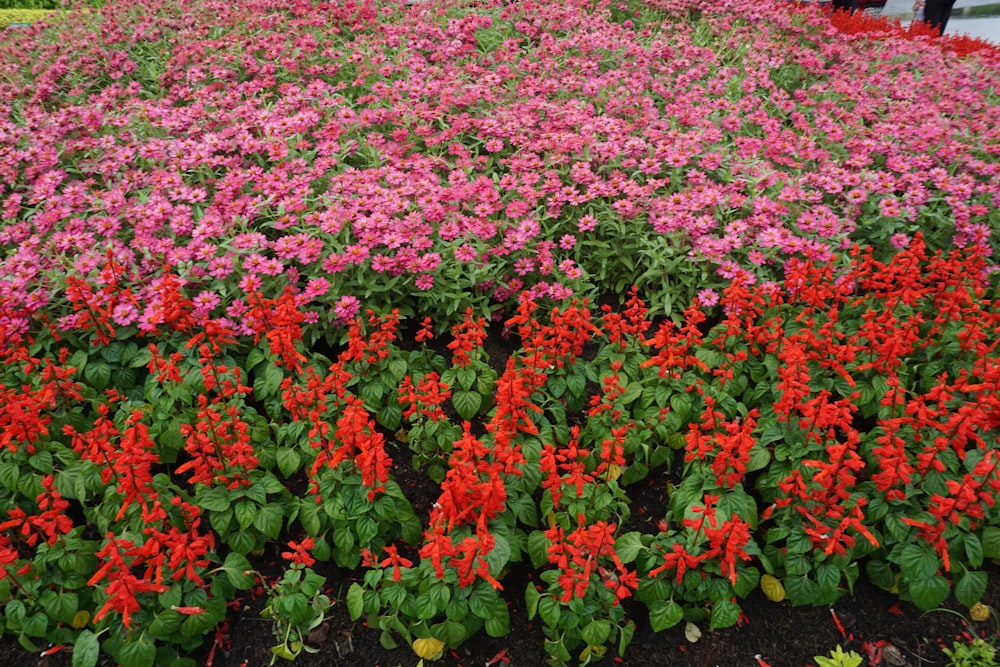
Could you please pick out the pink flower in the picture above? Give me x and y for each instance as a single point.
(708, 298)
(124, 314)
(346, 308)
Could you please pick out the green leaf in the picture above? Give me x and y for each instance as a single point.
(725, 613)
(239, 571)
(625, 637)
(86, 649)
(166, 624)
(242, 541)
(355, 601)
(215, 499)
(531, 598)
(269, 520)
(254, 358)
(970, 588)
(10, 473)
(632, 392)
(499, 555)
(97, 374)
(246, 511)
(549, 611)
(498, 623)
(596, 632)
(759, 458)
(747, 580)
(801, 590)
(664, 614)
(991, 542)
(140, 653)
(918, 561)
(309, 516)
(880, 573)
(973, 550)
(929, 592)
(467, 403)
(482, 599)
(63, 607)
(288, 460)
(628, 546)
(538, 548)
(272, 378)
(576, 381)
(390, 417)
(141, 358)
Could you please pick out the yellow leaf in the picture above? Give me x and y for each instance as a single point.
(614, 472)
(772, 588)
(691, 632)
(80, 619)
(430, 648)
(980, 612)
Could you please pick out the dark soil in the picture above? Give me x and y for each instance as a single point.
(782, 635)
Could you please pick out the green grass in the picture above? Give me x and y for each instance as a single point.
(979, 11)
(47, 4)
(9, 16)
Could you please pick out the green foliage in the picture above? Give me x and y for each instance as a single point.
(975, 653)
(839, 658)
(22, 16)
(297, 606)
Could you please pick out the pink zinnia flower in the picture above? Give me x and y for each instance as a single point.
(346, 308)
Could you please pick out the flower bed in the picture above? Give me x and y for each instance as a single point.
(250, 263)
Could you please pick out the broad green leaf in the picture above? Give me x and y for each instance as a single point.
(929, 592)
(549, 611)
(139, 653)
(498, 623)
(596, 632)
(355, 601)
(801, 590)
(86, 649)
(239, 571)
(215, 499)
(288, 460)
(531, 598)
(664, 614)
(918, 561)
(97, 374)
(246, 511)
(628, 546)
(991, 542)
(725, 613)
(467, 403)
(970, 588)
(269, 520)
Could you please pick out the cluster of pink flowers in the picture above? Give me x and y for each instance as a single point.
(340, 147)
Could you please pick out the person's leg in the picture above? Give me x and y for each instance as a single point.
(842, 4)
(937, 13)
(946, 14)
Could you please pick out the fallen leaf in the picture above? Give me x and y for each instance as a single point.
(980, 612)
(893, 656)
(772, 588)
(691, 632)
(318, 635)
(430, 648)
